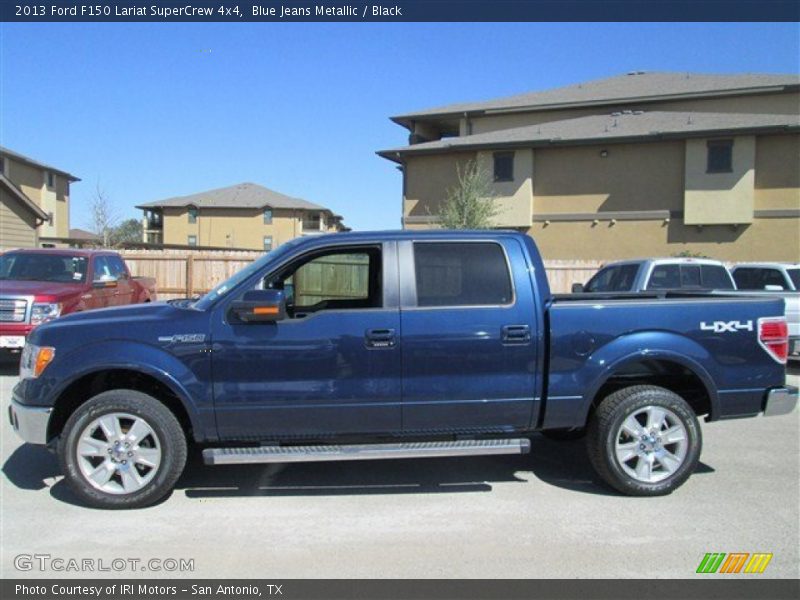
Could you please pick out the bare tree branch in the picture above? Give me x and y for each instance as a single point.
(102, 215)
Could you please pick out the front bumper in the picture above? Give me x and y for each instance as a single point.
(30, 422)
(780, 401)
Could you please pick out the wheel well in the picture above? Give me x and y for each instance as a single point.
(664, 373)
(88, 386)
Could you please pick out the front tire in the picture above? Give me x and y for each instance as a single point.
(644, 441)
(122, 449)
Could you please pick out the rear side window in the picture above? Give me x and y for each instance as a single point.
(665, 277)
(618, 278)
(753, 278)
(461, 274)
(715, 277)
(794, 275)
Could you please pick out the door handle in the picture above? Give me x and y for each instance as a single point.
(516, 334)
(379, 338)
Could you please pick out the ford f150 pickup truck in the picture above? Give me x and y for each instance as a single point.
(38, 285)
(394, 345)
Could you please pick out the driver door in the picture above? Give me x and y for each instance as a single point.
(331, 367)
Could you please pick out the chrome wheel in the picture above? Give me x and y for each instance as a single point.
(118, 453)
(651, 444)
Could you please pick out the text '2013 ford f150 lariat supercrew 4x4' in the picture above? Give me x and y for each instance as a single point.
(394, 345)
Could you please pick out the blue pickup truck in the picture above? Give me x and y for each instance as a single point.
(395, 345)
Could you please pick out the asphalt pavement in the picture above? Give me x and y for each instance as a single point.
(541, 515)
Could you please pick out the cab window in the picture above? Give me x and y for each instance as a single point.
(341, 279)
(616, 278)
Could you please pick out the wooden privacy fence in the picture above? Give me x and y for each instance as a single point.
(563, 273)
(187, 273)
(182, 273)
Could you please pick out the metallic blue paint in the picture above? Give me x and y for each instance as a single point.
(449, 370)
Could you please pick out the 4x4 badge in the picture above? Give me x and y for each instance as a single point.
(727, 326)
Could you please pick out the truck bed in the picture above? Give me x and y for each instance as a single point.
(662, 335)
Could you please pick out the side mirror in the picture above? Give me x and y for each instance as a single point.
(773, 288)
(105, 283)
(260, 306)
(577, 288)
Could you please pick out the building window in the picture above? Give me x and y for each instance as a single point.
(267, 216)
(504, 166)
(51, 179)
(267, 243)
(193, 240)
(49, 218)
(311, 222)
(192, 214)
(3, 165)
(720, 156)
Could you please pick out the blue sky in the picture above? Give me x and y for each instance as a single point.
(156, 110)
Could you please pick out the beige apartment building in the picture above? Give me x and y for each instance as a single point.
(643, 164)
(34, 200)
(244, 216)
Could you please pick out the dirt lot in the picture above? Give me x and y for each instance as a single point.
(543, 515)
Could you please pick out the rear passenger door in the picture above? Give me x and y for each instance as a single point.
(468, 331)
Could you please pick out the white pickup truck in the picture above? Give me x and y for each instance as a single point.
(699, 274)
(780, 279)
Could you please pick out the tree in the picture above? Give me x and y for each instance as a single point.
(469, 203)
(126, 232)
(101, 215)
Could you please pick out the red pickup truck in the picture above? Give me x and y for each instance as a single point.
(38, 285)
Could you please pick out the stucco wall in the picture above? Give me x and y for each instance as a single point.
(777, 177)
(427, 179)
(235, 228)
(764, 239)
(630, 177)
(719, 198)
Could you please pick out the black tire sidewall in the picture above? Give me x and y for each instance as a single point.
(166, 427)
(675, 404)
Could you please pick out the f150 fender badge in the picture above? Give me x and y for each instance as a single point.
(183, 338)
(727, 326)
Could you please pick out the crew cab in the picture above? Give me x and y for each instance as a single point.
(659, 274)
(39, 285)
(395, 345)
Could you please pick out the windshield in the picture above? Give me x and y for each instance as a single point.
(617, 278)
(223, 288)
(794, 275)
(59, 268)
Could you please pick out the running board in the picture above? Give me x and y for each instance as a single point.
(285, 454)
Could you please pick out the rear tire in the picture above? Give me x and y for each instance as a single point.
(644, 441)
(122, 449)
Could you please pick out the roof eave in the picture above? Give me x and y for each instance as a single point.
(399, 154)
(476, 110)
(23, 198)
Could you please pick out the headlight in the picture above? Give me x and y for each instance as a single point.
(34, 360)
(43, 312)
